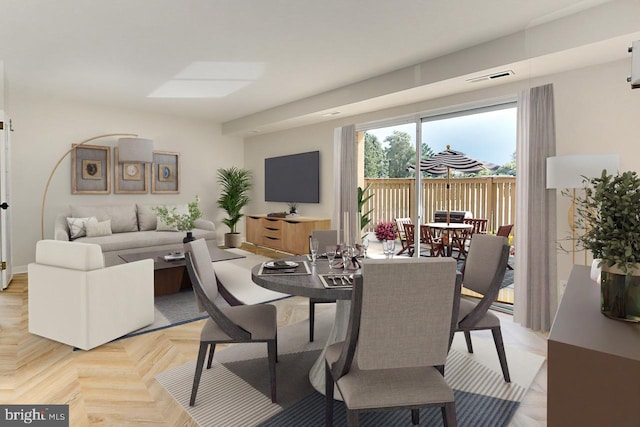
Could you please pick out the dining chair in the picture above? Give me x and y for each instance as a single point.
(397, 340)
(435, 245)
(461, 242)
(409, 236)
(483, 272)
(325, 238)
(401, 234)
(505, 231)
(235, 324)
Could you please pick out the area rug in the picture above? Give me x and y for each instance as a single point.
(235, 391)
(179, 308)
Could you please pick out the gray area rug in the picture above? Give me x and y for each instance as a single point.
(235, 391)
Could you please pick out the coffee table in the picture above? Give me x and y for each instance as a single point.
(170, 277)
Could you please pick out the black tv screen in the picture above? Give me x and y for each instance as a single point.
(293, 178)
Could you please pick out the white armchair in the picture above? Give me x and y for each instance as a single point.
(75, 300)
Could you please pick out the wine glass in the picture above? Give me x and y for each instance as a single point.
(391, 247)
(331, 255)
(313, 247)
(346, 252)
(385, 248)
(365, 245)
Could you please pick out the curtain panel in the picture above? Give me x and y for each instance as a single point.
(535, 275)
(345, 188)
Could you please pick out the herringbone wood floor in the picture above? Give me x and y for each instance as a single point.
(114, 384)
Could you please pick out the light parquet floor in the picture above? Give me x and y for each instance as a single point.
(115, 385)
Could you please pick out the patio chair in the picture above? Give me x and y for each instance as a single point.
(483, 273)
(409, 235)
(235, 324)
(401, 234)
(393, 358)
(325, 238)
(505, 231)
(461, 241)
(435, 244)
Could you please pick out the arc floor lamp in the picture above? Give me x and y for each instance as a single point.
(130, 149)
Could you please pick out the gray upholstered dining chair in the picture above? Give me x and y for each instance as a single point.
(483, 273)
(325, 238)
(397, 340)
(236, 324)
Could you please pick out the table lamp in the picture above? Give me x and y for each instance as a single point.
(570, 172)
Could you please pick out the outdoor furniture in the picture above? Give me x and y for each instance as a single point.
(74, 299)
(462, 242)
(448, 233)
(236, 324)
(409, 235)
(505, 231)
(483, 272)
(436, 248)
(325, 238)
(394, 358)
(401, 234)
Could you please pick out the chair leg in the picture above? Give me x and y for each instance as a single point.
(328, 396)
(497, 339)
(272, 354)
(415, 417)
(212, 349)
(202, 352)
(449, 415)
(312, 318)
(353, 419)
(467, 338)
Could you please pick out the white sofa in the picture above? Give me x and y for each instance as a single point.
(74, 299)
(133, 227)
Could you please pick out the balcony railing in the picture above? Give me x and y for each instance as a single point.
(493, 198)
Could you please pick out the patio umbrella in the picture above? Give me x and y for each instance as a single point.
(444, 161)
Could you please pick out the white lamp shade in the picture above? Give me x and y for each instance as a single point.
(570, 171)
(135, 150)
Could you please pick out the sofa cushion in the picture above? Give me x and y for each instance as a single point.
(78, 226)
(146, 217)
(96, 229)
(123, 217)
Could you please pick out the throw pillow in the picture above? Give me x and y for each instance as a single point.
(97, 228)
(78, 226)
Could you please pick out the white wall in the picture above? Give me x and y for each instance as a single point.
(596, 112)
(45, 128)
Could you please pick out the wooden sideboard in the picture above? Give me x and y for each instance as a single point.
(284, 234)
(594, 362)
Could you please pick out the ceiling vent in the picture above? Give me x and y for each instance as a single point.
(492, 76)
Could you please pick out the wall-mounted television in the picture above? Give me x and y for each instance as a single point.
(293, 178)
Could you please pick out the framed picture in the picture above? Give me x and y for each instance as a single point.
(91, 169)
(131, 178)
(165, 176)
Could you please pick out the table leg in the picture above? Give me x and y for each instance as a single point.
(338, 333)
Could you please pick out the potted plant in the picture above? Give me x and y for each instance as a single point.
(181, 221)
(609, 216)
(385, 231)
(235, 183)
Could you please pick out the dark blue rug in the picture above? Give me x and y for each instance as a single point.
(471, 409)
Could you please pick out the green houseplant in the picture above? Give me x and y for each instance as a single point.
(180, 221)
(363, 198)
(235, 184)
(609, 218)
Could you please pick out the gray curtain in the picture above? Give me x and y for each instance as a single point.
(535, 277)
(345, 177)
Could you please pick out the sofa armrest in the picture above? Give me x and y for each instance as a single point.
(205, 224)
(61, 228)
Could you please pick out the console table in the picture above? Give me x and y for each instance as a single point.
(285, 234)
(594, 362)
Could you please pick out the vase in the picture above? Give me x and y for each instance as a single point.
(188, 238)
(620, 294)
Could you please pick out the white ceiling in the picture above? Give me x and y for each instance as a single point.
(116, 52)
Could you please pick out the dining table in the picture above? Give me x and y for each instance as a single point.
(311, 281)
(454, 231)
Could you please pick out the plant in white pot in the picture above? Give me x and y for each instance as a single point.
(235, 184)
(609, 215)
(180, 221)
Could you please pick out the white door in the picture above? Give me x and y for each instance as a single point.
(5, 202)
